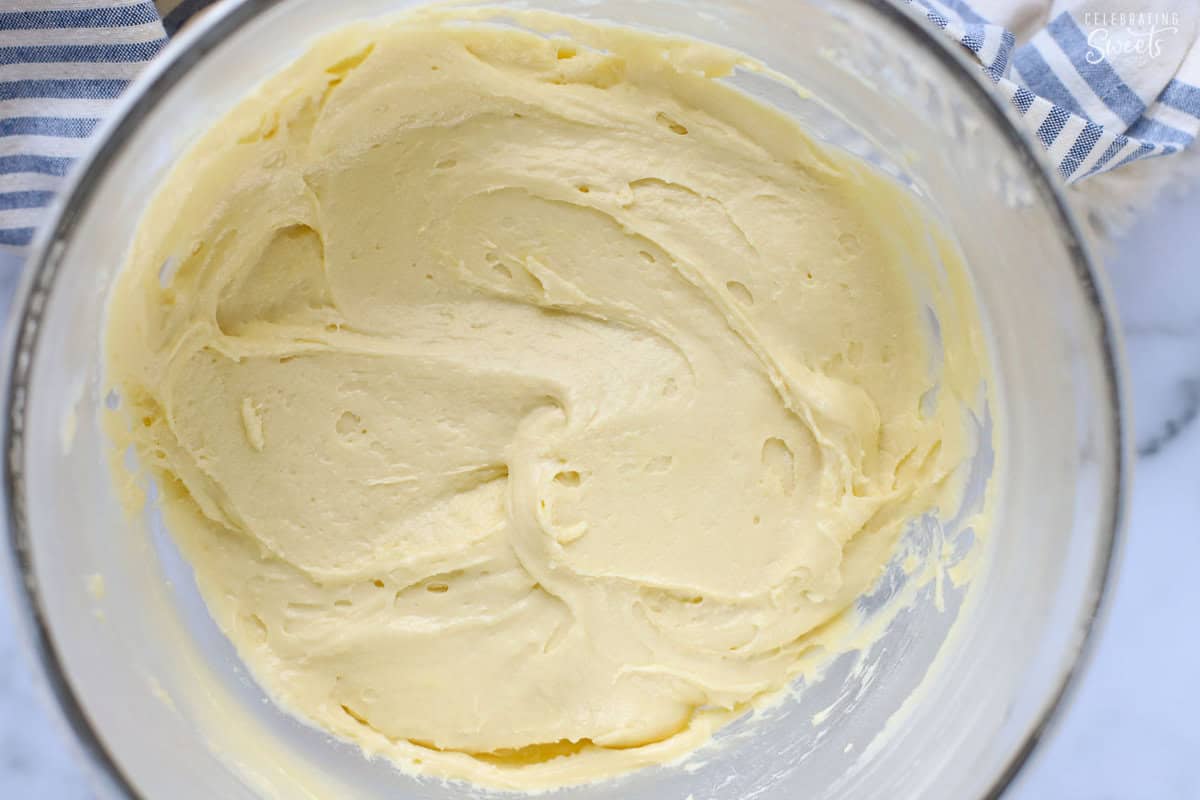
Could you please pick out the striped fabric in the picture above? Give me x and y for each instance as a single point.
(1100, 83)
(62, 62)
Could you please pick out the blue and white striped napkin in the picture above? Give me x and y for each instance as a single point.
(1100, 83)
(61, 66)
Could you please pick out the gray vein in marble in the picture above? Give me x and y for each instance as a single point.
(1164, 362)
(1180, 329)
(1177, 423)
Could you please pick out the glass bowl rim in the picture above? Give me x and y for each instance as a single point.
(206, 34)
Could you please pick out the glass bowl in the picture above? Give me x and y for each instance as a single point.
(948, 703)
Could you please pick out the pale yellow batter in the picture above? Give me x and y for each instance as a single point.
(525, 404)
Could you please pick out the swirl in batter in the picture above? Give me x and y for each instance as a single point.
(525, 404)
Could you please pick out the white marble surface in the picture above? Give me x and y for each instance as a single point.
(1133, 730)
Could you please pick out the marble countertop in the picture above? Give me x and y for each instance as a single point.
(1132, 731)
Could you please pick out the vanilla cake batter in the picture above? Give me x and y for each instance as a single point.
(524, 404)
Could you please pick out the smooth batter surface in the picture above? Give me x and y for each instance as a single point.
(523, 408)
